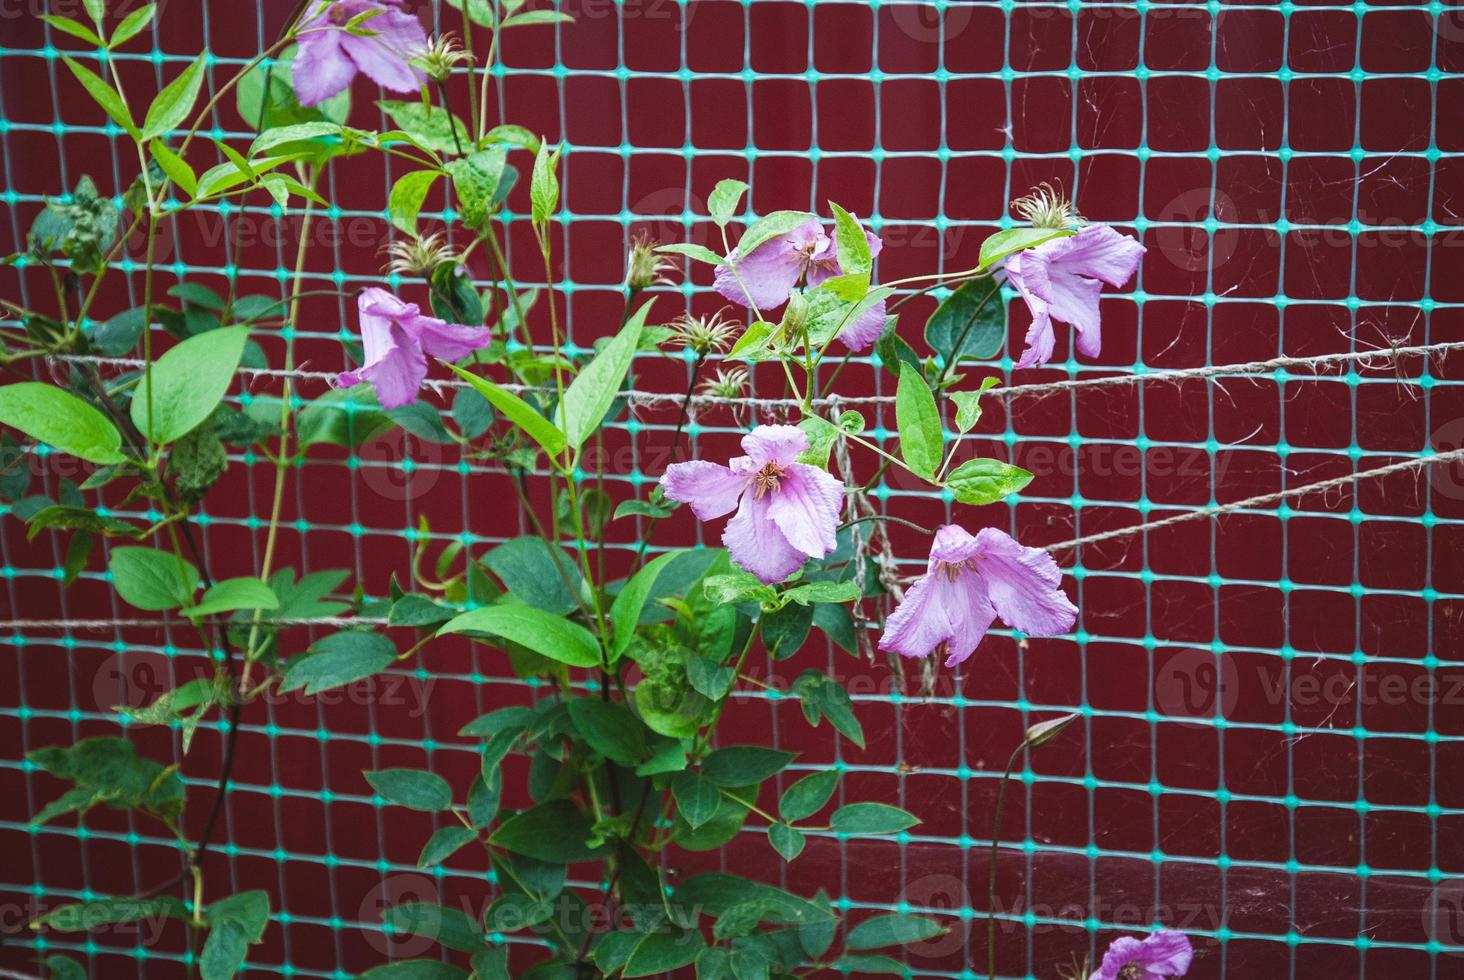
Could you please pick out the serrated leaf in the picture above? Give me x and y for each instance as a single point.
(337, 660)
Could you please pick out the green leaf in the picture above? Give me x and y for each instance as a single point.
(968, 404)
(610, 729)
(64, 968)
(838, 623)
(784, 630)
(869, 819)
(151, 579)
(278, 106)
(79, 519)
(475, 179)
(824, 697)
(985, 481)
(68, 26)
(105, 96)
(484, 798)
(714, 893)
(591, 394)
(416, 789)
(517, 411)
(471, 412)
(892, 930)
(188, 383)
(232, 594)
(664, 950)
(515, 717)
(96, 10)
(712, 964)
(530, 572)
(556, 832)
(893, 351)
(853, 247)
(722, 202)
(304, 132)
(337, 660)
(699, 252)
(58, 418)
(433, 127)
(493, 964)
(970, 323)
(538, 17)
(132, 25)
(416, 970)
(625, 612)
(735, 587)
(544, 633)
(918, 419)
(443, 843)
(407, 195)
(450, 927)
(479, 11)
(811, 592)
(744, 765)
(697, 798)
(786, 840)
(175, 101)
(234, 923)
(544, 185)
(121, 333)
(770, 226)
(453, 297)
(822, 434)
(1004, 243)
(508, 132)
(177, 169)
(85, 916)
(345, 417)
(857, 964)
(807, 796)
(710, 680)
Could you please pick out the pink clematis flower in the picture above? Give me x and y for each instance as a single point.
(807, 255)
(398, 339)
(329, 57)
(787, 511)
(1060, 279)
(969, 582)
(1162, 954)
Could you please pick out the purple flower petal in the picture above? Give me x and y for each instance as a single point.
(1040, 339)
(710, 489)
(1096, 251)
(779, 444)
(864, 329)
(939, 609)
(1163, 954)
(757, 545)
(396, 372)
(805, 506)
(1024, 585)
(321, 68)
(953, 545)
(385, 55)
(448, 341)
(770, 271)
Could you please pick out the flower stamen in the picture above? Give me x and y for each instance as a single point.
(766, 479)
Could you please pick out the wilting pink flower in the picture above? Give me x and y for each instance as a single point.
(969, 582)
(398, 340)
(787, 511)
(1162, 954)
(329, 57)
(1060, 279)
(804, 255)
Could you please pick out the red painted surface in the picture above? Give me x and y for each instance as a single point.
(1344, 576)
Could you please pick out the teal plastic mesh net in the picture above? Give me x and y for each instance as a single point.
(1268, 707)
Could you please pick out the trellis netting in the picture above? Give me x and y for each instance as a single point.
(1270, 731)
